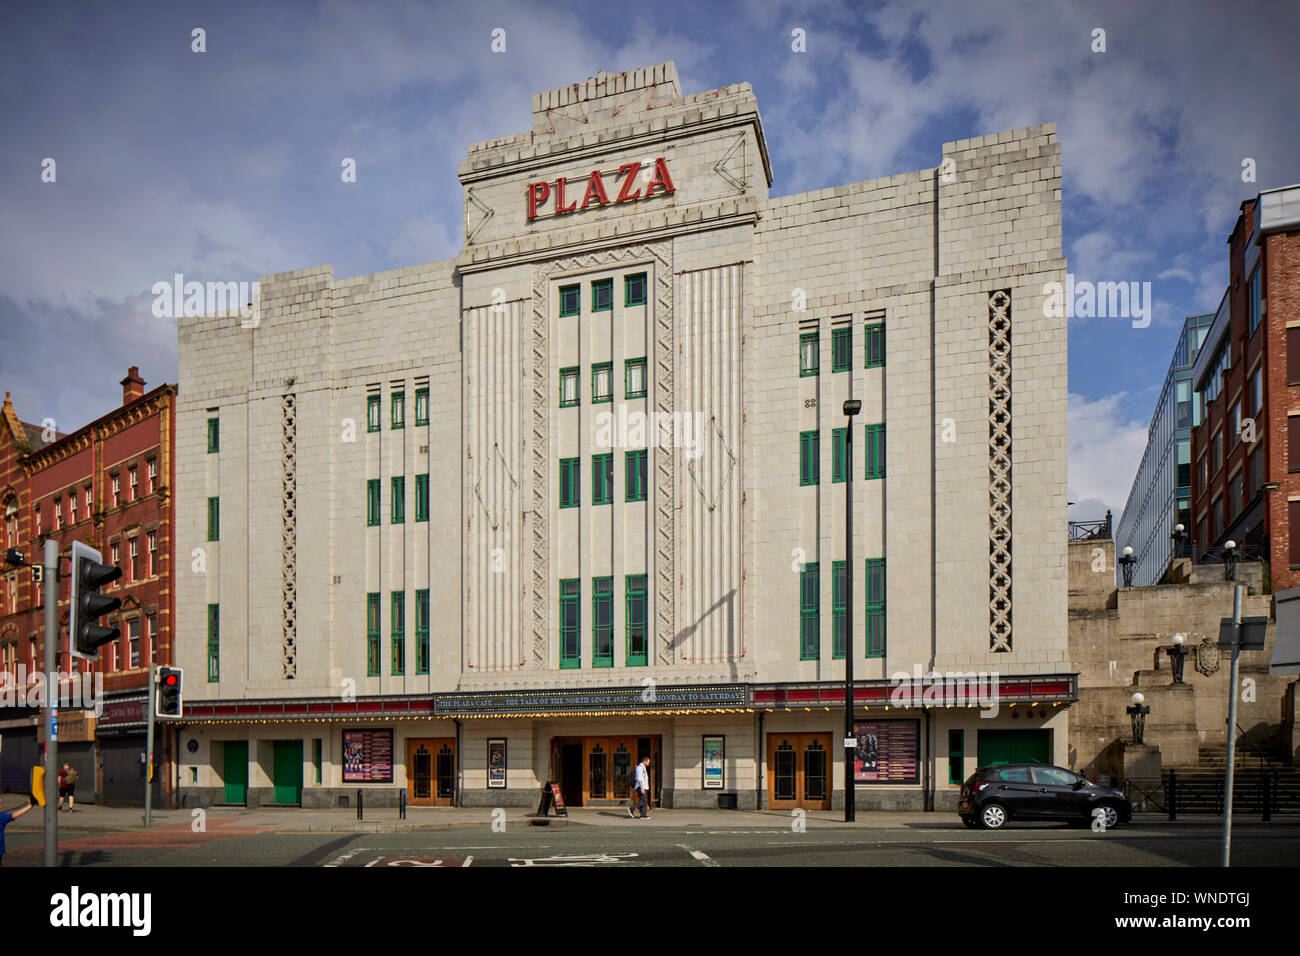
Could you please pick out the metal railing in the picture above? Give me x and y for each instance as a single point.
(1265, 792)
(1090, 530)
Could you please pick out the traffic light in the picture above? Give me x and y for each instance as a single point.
(88, 605)
(168, 701)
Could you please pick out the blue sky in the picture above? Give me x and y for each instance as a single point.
(225, 164)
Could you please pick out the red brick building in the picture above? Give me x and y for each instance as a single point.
(1246, 450)
(108, 484)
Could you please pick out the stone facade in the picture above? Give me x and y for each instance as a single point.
(952, 261)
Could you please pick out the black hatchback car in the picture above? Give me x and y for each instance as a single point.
(994, 795)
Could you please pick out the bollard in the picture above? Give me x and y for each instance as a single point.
(1266, 792)
(359, 799)
(401, 804)
(1172, 795)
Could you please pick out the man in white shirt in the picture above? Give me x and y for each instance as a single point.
(641, 789)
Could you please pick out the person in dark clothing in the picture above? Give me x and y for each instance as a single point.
(7, 818)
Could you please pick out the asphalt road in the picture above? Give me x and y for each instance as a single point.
(576, 845)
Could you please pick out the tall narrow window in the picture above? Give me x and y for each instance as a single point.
(152, 471)
(398, 625)
(399, 410)
(151, 635)
(634, 479)
(875, 607)
(569, 387)
(636, 609)
(808, 358)
(133, 556)
(570, 482)
(602, 622)
(133, 482)
(570, 300)
(58, 513)
(839, 607)
(634, 378)
(117, 491)
(372, 634)
(875, 336)
(570, 623)
(602, 382)
(602, 295)
(809, 467)
(840, 464)
(372, 413)
(422, 632)
(133, 641)
(602, 479)
(421, 497)
(421, 406)
(372, 502)
(214, 643)
(634, 290)
(1253, 308)
(214, 519)
(810, 625)
(214, 435)
(875, 455)
(399, 499)
(841, 349)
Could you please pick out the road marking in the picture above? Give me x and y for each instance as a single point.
(699, 855)
(589, 859)
(340, 860)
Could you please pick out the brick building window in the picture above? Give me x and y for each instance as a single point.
(152, 470)
(133, 551)
(36, 518)
(1293, 443)
(58, 513)
(133, 481)
(117, 490)
(1293, 514)
(1257, 392)
(116, 560)
(809, 465)
(11, 524)
(89, 501)
(1234, 416)
(151, 540)
(72, 506)
(810, 625)
(1257, 476)
(151, 635)
(1216, 448)
(133, 640)
(1253, 309)
(1293, 355)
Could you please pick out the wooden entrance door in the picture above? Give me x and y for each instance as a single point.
(799, 771)
(608, 767)
(431, 771)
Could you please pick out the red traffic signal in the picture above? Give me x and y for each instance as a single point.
(168, 703)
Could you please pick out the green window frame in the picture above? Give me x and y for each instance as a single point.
(602, 622)
(841, 455)
(602, 479)
(421, 497)
(842, 349)
(634, 474)
(316, 758)
(421, 406)
(809, 354)
(372, 634)
(636, 612)
(602, 372)
(422, 631)
(372, 502)
(398, 411)
(214, 435)
(214, 519)
(809, 465)
(570, 482)
(214, 643)
(874, 334)
(602, 295)
(875, 450)
(570, 300)
(634, 385)
(398, 625)
(875, 621)
(570, 623)
(839, 607)
(398, 503)
(810, 624)
(956, 755)
(569, 393)
(634, 289)
(372, 412)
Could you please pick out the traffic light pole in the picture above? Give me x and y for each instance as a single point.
(50, 566)
(148, 777)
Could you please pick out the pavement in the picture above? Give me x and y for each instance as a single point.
(98, 819)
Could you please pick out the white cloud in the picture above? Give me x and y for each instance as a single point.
(1107, 439)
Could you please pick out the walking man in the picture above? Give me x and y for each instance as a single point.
(643, 788)
(67, 785)
(7, 818)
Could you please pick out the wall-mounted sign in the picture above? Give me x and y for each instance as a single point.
(367, 756)
(678, 697)
(888, 751)
(714, 761)
(625, 181)
(496, 763)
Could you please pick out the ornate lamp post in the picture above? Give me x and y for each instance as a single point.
(1229, 560)
(1180, 540)
(1138, 714)
(1177, 652)
(1126, 562)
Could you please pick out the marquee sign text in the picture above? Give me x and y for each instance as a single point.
(596, 193)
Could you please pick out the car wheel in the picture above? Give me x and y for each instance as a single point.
(993, 817)
(1110, 815)
(969, 821)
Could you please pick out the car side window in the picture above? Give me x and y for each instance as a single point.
(1014, 775)
(1054, 777)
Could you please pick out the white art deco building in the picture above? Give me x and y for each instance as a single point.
(578, 495)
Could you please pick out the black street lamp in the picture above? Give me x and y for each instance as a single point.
(1126, 562)
(1229, 560)
(1138, 714)
(1180, 540)
(1177, 652)
(851, 407)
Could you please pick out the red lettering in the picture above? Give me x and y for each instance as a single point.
(661, 179)
(595, 187)
(631, 169)
(537, 193)
(559, 198)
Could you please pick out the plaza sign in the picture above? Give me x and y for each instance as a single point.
(539, 192)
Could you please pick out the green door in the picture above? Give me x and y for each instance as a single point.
(1014, 746)
(288, 771)
(236, 771)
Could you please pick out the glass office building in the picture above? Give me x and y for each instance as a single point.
(1161, 496)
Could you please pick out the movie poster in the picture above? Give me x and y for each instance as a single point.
(888, 751)
(496, 763)
(713, 763)
(367, 756)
